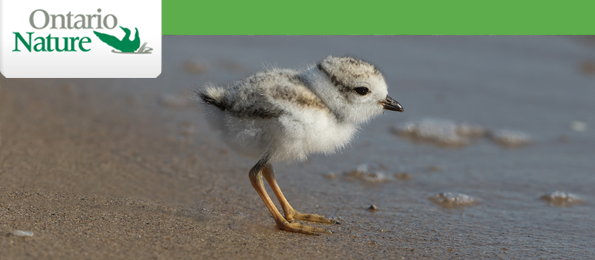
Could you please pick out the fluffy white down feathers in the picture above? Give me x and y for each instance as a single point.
(290, 114)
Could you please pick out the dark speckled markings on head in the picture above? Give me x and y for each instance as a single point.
(360, 63)
(345, 65)
(343, 88)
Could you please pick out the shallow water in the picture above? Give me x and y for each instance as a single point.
(533, 85)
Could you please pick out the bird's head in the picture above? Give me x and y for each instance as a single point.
(362, 91)
(126, 30)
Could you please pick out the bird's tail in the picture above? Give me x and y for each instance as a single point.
(214, 104)
(212, 95)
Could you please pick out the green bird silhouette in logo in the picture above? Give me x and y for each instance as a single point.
(124, 45)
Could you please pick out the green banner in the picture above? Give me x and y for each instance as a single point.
(308, 17)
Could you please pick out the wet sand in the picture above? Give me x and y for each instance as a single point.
(129, 169)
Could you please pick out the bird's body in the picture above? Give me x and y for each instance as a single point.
(276, 111)
(282, 114)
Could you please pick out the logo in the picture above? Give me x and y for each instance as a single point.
(80, 39)
(125, 45)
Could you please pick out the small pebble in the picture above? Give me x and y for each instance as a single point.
(372, 207)
(20, 233)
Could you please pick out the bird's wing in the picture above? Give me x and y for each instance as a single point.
(109, 39)
(252, 103)
(271, 94)
(239, 100)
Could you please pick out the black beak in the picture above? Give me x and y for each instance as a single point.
(390, 104)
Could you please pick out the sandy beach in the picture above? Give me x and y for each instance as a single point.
(130, 169)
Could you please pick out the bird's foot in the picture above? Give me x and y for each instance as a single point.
(299, 228)
(311, 218)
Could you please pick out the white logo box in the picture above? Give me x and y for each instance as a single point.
(102, 60)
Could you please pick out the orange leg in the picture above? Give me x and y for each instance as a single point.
(282, 223)
(290, 213)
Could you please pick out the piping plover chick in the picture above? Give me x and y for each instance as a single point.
(283, 114)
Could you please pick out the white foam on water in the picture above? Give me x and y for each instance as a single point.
(440, 131)
(561, 198)
(452, 199)
(578, 126)
(368, 173)
(510, 138)
(444, 132)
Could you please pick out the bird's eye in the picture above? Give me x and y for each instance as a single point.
(361, 90)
